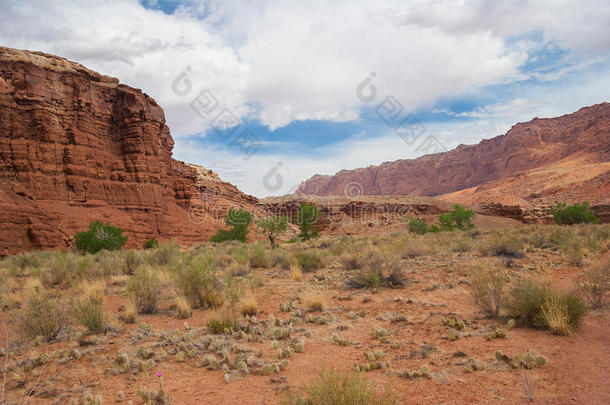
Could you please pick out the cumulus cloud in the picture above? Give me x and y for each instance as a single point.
(279, 62)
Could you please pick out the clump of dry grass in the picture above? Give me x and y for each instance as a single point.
(487, 289)
(597, 284)
(314, 300)
(144, 287)
(130, 314)
(89, 307)
(249, 306)
(555, 314)
(295, 269)
(182, 307)
(43, 314)
(341, 388)
(221, 320)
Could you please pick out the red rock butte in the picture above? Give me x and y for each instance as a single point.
(78, 146)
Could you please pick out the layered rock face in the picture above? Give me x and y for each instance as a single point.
(77, 146)
(582, 137)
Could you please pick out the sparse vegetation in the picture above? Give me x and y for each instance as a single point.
(596, 284)
(309, 261)
(197, 280)
(144, 288)
(98, 237)
(43, 315)
(336, 387)
(487, 289)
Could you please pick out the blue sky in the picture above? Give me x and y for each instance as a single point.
(288, 72)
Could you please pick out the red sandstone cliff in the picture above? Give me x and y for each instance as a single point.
(570, 154)
(77, 146)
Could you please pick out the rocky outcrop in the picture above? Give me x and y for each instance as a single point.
(342, 215)
(77, 146)
(583, 136)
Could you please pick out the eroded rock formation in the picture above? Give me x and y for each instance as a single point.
(77, 146)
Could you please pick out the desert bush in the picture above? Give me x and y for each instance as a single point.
(487, 289)
(596, 284)
(100, 237)
(197, 280)
(574, 214)
(144, 288)
(295, 269)
(334, 387)
(150, 244)
(259, 257)
(353, 260)
(272, 227)
(309, 260)
(42, 315)
(307, 216)
(417, 226)
(132, 259)
(542, 307)
(182, 307)
(165, 254)
(221, 321)
(503, 246)
(380, 269)
(238, 220)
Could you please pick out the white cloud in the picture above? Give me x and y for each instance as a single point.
(283, 61)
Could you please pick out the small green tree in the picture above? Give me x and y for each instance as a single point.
(238, 220)
(272, 227)
(417, 226)
(98, 237)
(308, 215)
(574, 214)
(460, 218)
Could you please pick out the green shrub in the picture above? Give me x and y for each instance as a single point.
(307, 216)
(197, 281)
(417, 226)
(144, 287)
(542, 307)
(309, 261)
(41, 315)
(487, 289)
(259, 257)
(334, 387)
(238, 220)
(150, 244)
(574, 214)
(90, 312)
(460, 218)
(98, 237)
(272, 227)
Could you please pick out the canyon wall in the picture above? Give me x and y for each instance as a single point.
(78, 146)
